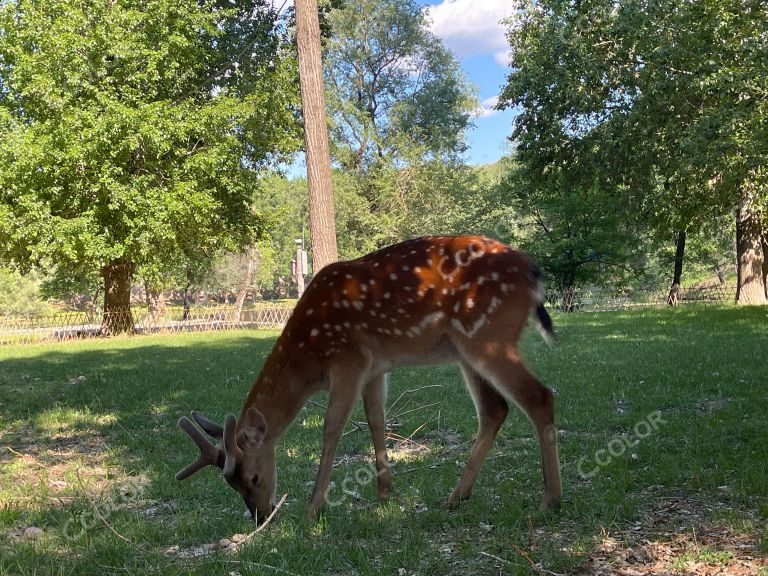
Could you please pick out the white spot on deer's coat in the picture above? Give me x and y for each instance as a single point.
(336, 304)
(470, 303)
(363, 287)
(495, 303)
(387, 295)
(357, 305)
(314, 332)
(431, 319)
(494, 275)
(505, 288)
(405, 268)
(397, 332)
(326, 326)
(480, 280)
(301, 344)
(456, 306)
(310, 311)
(469, 331)
(393, 276)
(348, 276)
(345, 303)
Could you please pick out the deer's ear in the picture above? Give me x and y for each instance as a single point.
(253, 428)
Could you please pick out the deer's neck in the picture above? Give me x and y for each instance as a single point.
(280, 390)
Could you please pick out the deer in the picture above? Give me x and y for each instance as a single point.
(431, 300)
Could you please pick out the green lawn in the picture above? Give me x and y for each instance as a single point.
(663, 417)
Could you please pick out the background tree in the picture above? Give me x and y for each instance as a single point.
(666, 99)
(321, 217)
(132, 132)
(400, 108)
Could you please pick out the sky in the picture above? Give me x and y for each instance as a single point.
(472, 30)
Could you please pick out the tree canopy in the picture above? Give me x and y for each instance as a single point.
(131, 133)
(664, 101)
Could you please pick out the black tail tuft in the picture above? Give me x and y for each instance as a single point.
(544, 323)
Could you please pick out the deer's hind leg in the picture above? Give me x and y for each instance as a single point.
(374, 400)
(492, 410)
(515, 382)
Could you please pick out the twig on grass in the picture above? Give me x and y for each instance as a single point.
(104, 520)
(26, 457)
(536, 567)
(411, 391)
(263, 525)
(267, 566)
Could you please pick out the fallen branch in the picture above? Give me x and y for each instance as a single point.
(263, 525)
(104, 520)
(536, 567)
(411, 391)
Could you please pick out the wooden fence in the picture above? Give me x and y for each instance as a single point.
(265, 316)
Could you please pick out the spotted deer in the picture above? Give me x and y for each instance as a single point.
(460, 299)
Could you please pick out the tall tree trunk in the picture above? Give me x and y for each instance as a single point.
(321, 219)
(245, 285)
(749, 251)
(185, 305)
(117, 317)
(674, 291)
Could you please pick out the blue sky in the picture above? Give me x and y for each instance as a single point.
(472, 30)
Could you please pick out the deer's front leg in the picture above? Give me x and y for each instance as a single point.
(374, 400)
(345, 387)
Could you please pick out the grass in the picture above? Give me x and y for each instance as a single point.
(89, 447)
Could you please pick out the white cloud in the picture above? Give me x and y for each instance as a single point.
(472, 27)
(486, 109)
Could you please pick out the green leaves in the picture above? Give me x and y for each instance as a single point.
(136, 130)
(663, 103)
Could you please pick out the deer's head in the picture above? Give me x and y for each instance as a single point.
(247, 461)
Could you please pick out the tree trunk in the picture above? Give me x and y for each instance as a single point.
(321, 219)
(117, 317)
(245, 285)
(674, 291)
(568, 286)
(749, 252)
(155, 301)
(765, 260)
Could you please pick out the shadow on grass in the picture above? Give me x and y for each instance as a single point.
(83, 418)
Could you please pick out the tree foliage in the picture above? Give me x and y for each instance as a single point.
(131, 133)
(665, 101)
